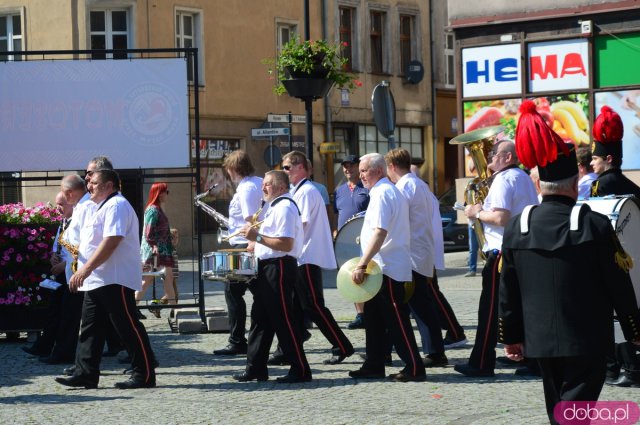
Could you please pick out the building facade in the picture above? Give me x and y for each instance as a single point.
(235, 90)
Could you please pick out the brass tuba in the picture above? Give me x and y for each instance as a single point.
(478, 143)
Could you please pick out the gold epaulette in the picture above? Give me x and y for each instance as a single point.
(623, 260)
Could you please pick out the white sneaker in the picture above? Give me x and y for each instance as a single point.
(470, 274)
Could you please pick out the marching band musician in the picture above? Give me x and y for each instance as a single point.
(510, 191)
(317, 253)
(385, 238)
(278, 244)
(606, 161)
(245, 203)
(423, 249)
(561, 278)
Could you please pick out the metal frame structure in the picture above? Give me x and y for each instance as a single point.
(190, 54)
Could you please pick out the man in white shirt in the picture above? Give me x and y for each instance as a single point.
(246, 202)
(385, 238)
(317, 254)
(423, 249)
(277, 245)
(109, 272)
(510, 192)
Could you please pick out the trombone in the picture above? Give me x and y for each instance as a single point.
(234, 234)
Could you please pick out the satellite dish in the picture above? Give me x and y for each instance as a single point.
(384, 111)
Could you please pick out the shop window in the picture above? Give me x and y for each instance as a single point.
(410, 138)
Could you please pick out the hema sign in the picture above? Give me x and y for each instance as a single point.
(491, 70)
(558, 65)
(553, 65)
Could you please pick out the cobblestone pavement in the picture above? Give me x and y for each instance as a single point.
(195, 387)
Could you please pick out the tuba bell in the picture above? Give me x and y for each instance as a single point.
(478, 143)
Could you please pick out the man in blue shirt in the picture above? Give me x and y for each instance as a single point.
(351, 198)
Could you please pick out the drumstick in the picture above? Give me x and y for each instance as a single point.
(234, 234)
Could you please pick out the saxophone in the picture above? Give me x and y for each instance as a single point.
(478, 143)
(73, 250)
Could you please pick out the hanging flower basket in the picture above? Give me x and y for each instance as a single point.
(311, 59)
(307, 88)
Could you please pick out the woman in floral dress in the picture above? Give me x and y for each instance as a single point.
(156, 248)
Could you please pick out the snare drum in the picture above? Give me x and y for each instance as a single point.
(229, 266)
(624, 214)
(347, 243)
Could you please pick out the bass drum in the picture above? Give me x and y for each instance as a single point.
(347, 243)
(624, 214)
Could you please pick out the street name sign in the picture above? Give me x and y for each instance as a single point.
(268, 132)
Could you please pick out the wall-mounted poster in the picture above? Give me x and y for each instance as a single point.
(567, 115)
(558, 65)
(485, 113)
(627, 104)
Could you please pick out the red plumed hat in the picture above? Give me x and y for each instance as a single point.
(607, 133)
(537, 145)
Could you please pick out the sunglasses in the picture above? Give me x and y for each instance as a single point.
(287, 167)
(88, 173)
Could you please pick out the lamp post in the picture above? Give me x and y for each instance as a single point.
(308, 108)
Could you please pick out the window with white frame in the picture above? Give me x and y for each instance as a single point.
(370, 140)
(11, 36)
(285, 31)
(449, 61)
(109, 30)
(188, 34)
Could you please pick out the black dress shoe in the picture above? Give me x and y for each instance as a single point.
(507, 361)
(54, 360)
(77, 381)
(132, 383)
(435, 360)
(293, 379)
(129, 370)
(69, 371)
(473, 372)
(231, 350)
(335, 359)
(247, 377)
(366, 374)
(405, 377)
(528, 371)
(278, 361)
(624, 380)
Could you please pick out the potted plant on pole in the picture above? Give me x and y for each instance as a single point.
(308, 69)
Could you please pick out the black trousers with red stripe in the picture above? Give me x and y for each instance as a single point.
(483, 355)
(113, 304)
(310, 295)
(388, 311)
(272, 313)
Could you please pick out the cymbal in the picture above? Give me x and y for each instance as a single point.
(367, 289)
(479, 134)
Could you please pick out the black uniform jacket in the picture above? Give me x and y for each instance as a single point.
(613, 182)
(558, 288)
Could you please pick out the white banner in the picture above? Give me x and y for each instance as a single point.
(57, 115)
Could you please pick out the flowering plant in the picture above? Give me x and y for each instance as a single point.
(311, 59)
(26, 237)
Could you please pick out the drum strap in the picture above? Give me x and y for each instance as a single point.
(273, 204)
(574, 220)
(524, 218)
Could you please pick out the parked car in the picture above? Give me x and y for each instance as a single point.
(455, 235)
